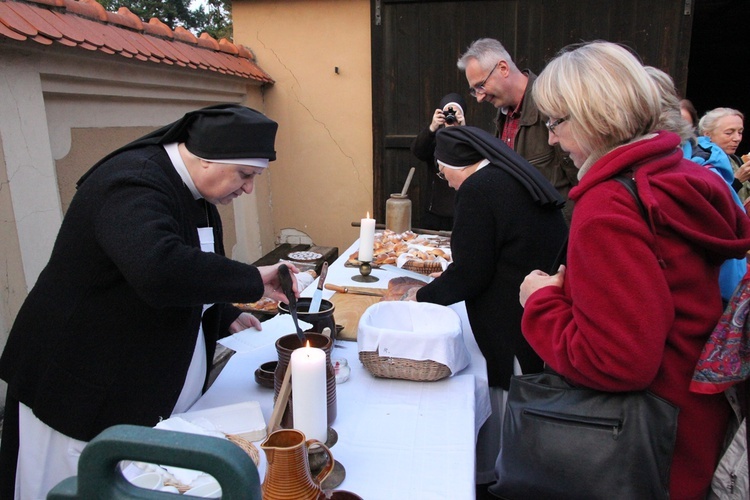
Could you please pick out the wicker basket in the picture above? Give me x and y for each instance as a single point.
(243, 443)
(401, 368)
(246, 446)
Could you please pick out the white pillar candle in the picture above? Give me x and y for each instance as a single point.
(309, 394)
(366, 238)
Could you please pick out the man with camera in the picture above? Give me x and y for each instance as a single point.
(494, 78)
(438, 214)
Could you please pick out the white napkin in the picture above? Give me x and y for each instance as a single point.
(414, 330)
(251, 339)
(186, 476)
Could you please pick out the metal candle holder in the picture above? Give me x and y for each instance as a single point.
(364, 276)
(317, 459)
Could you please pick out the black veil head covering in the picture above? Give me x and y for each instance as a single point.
(220, 132)
(453, 97)
(463, 146)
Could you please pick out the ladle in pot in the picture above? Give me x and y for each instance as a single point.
(285, 278)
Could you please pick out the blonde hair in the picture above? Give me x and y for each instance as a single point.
(670, 118)
(605, 93)
(708, 122)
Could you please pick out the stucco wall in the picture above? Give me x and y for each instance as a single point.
(88, 145)
(322, 179)
(12, 283)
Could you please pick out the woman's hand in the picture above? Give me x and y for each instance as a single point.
(742, 174)
(271, 283)
(243, 322)
(539, 279)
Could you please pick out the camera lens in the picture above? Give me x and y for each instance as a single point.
(450, 116)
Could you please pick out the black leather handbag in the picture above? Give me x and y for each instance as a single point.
(566, 442)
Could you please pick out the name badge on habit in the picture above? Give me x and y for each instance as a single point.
(206, 236)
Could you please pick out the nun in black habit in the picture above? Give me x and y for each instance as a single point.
(122, 323)
(437, 208)
(508, 222)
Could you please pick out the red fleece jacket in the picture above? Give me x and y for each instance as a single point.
(640, 300)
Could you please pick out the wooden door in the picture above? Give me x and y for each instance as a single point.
(415, 46)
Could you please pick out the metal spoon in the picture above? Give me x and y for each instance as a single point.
(285, 278)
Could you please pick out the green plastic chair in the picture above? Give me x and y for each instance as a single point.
(99, 475)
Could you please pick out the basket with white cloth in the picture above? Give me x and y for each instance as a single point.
(411, 340)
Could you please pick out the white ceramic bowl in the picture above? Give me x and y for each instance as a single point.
(148, 481)
(206, 490)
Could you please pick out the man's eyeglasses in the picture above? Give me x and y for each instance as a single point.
(479, 89)
(552, 125)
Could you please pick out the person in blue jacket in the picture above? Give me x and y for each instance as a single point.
(703, 152)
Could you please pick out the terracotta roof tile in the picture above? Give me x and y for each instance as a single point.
(207, 41)
(53, 3)
(37, 18)
(125, 18)
(12, 20)
(9, 33)
(87, 25)
(68, 31)
(91, 10)
(158, 28)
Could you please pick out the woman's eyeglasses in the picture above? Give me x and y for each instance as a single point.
(479, 89)
(551, 126)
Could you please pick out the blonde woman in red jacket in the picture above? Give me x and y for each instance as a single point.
(637, 301)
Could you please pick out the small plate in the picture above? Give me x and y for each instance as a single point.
(305, 256)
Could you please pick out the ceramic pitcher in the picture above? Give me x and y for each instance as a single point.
(288, 474)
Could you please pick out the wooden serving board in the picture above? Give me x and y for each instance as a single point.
(348, 309)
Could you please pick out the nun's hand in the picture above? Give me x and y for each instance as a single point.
(243, 322)
(411, 294)
(271, 283)
(460, 119)
(438, 120)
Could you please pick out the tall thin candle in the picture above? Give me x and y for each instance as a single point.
(366, 238)
(309, 396)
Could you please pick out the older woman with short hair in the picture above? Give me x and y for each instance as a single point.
(638, 298)
(724, 126)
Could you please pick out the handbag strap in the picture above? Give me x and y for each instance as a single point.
(560, 257)
(629, 183)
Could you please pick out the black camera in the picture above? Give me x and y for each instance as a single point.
(450, 116)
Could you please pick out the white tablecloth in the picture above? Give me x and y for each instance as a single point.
(396, 438)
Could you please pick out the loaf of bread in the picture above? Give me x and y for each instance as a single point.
(397, 287)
